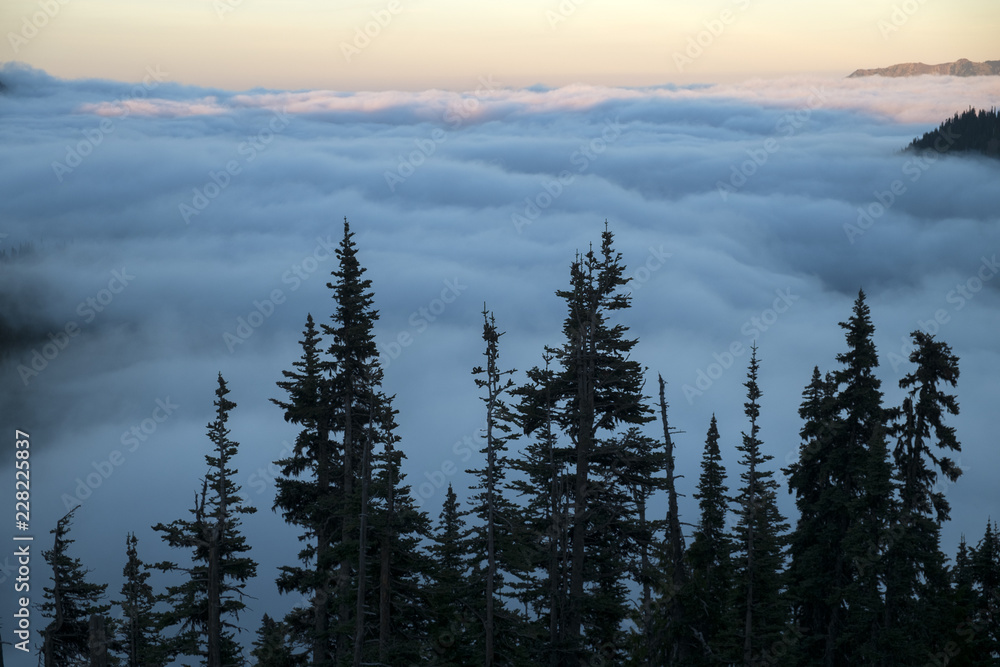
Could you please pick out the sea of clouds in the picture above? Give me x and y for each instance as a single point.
(180, 232)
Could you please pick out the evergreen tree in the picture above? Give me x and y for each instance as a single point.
(70, 602)
(844, 492)
(494, 543)
(597, 389)
(984, 625)
(139, 639)
(271, 648)
(544, 481)
(760, 541)
(710, 560)
(453, 639)
(307, 495)
(205, 607)
(917, 582)
(399, 529)
(816, 566)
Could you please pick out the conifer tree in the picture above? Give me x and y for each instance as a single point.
(545, 483)
(399, 530)
(985, 566)
(139, 639)
(207, 605)
(306, 494)
(844, 492)
(271, 648)
(494, 540)
(710, 560)
(70, 603)
(760, 540)
(814, 564)
(597, 388)
(917, 583)
(453, 639)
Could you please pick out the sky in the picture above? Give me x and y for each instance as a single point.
(419, 44)
(183, 176)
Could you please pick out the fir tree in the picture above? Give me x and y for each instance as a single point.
(844, 492)
(306, 494)
(70, 602)
(917, 582)
(760, 541)
(139, 639)
(598, 388)
(207, 605)
(271, 648)
(710, 560)
(452, 635)
(494, 541)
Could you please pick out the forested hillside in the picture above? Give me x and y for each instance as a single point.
(972, 130)
(559, 557)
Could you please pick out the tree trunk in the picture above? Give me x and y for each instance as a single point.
(321, 601)
(344, 578)
(214, 625)
(359, 613)
(385, 597)
(98, 642)
(491, 567)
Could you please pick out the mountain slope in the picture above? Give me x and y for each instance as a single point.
(960, 67)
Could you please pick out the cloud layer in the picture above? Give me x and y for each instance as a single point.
(183, 231)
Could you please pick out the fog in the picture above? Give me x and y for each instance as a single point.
(179, 232)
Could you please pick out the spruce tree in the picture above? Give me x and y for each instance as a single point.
(759, 540)
(710, 561)
(207, 605)
(399, 529)
(452, 632)
(544, 481)
(917, 582)
(985, 566)
(816, 565)
(307, 496)
(139, 639)
(271, 648)
(494, 541)
(844, 488)
(71, 601)
(597, 389)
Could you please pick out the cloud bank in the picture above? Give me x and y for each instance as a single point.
(182, 231)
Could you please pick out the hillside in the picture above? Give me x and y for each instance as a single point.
(977, 131)
(960, 67)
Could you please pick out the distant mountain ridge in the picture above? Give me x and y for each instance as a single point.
(961, 67)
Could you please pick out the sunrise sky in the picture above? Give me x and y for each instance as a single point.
(298, 44)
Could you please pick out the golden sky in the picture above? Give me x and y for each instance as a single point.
(418, 44)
